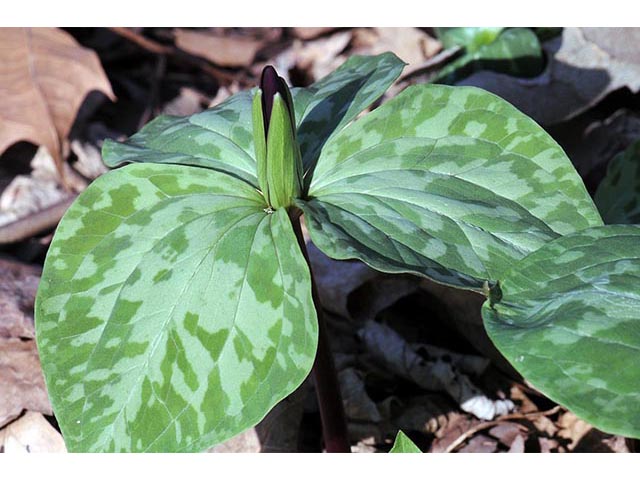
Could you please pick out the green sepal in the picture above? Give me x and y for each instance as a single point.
(283, 172)
(260, 143)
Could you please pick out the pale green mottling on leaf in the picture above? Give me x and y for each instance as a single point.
(179, 331)
(219, 138)
(327, 106)
(569, 322)
(451, 183)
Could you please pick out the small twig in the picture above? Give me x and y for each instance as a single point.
(484, 425)
(142, 41)
(35, 223)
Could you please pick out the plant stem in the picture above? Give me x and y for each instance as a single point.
(325, 378)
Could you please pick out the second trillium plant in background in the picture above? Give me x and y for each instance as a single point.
(176, 307)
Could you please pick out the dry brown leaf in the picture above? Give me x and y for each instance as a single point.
(18, 286)
(186, 103)
(357, 403)
(223, 50)
(545, 425)
(353, 290)
(28, 194)
(424, 413)
(507, 432)
(336, 280)
(224, 92)
(432, 373)
(585, 64)
(245, 442)
(572, 428)
(44, 77)
(89, 162)
(548, 445)
(21, 381)
(480, 444)
(412, 45)
(307, 33)
(616, 444)
(463, 313)
(379, 293)
(31, 433)
(458, 425)
(517, 446)
(317, 58)
(525, 405)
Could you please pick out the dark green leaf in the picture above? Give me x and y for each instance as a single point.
(173, 311)
(569, 322)
(328, 105)
(451, 183)
(220, 138)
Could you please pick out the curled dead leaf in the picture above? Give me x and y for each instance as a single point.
(223, 50)
(45, 76)
(436, 372)
(18, 286)
(21, 381)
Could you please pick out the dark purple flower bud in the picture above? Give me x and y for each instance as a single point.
(270, 84)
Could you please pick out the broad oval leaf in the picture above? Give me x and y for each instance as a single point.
(173, 311)
(403, 444)
(618, 195)
(220, 138)
(569, 321)
(328, 105)
(448, 182)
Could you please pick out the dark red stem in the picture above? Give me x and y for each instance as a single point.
(334, 423)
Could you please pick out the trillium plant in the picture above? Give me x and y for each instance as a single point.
(176, 306)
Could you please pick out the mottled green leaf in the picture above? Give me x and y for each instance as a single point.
(569, 321)
(222, 137)
(173, 311)
(403, 444)
(331, 103)
(448, 182)
(618, 195)
(471, 38)
(515, 51)
(219, 138)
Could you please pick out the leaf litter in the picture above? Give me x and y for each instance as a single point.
(443, 383)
